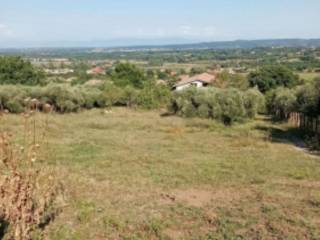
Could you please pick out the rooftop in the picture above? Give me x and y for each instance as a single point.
(204, 77)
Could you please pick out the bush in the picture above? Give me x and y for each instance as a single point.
(12, 98)
(153, 96)
(254, 102)
(188, 109)
(130, 96)
(281, 102)
(14, 106)
(226, 105)
(203, 111)
(112, 95)
(232, 105)
(214, 105)
(92, 98)
(63, 97)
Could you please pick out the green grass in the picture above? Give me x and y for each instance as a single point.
(137, 175)
(309, 76)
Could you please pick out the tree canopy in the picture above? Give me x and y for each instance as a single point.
(226, 105)
(308, 98)
(304, 99)
(15, 70)
(270, 77)
(281, 102)
(127, 74)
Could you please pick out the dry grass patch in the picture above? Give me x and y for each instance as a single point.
(201, 198)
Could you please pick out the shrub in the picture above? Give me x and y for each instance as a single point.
(63, 97)
(204, 111)
(178, 99)
(281, 102)
(112, 95)
(130, 96)
(92, 98)
(226, 105)
(188, 109)
(12, 98)
(254, 102)
(153, 96)
(14, 106)
(232, 105)
(214, 105)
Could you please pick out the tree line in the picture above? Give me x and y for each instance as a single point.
(233, 98)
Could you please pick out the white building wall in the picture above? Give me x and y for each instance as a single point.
(197, 84)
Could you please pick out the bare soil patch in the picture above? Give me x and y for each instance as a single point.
(200, 198)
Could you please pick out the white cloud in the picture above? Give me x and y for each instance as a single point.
(210, 31)
(197, 31)
(5, 30)
(180, 31)
(186, 30)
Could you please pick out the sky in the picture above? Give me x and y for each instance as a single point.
(44, 21)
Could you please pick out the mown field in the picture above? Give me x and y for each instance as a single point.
(130, 174)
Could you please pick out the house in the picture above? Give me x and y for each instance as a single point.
(199, 81)
(96, 71)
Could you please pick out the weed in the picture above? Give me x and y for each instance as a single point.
(27, 196)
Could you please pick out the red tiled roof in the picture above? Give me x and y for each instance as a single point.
(98, 70)
(204, 77)
(184, 77)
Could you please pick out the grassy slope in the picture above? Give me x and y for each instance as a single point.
(308, 76)
(136, 175)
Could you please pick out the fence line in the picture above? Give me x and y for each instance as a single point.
(307, 123)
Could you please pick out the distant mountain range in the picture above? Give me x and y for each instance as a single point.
(237, 44)
(164, 44)
(248, 44)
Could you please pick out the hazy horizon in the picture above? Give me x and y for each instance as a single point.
(128, 43)
(36, 23)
